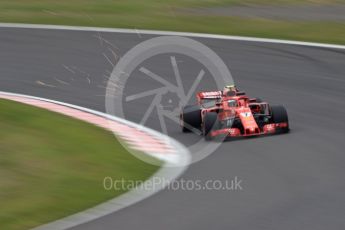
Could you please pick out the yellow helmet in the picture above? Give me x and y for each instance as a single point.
(230, 88)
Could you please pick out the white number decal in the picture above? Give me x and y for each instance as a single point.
(245, 114)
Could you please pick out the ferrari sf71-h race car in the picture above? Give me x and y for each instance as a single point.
(231, 113)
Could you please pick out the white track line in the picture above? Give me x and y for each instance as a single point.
(171, 169)
(169, 33)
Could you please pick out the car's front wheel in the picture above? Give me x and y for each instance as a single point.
(279, 115)
(209, 124)
(190, 118)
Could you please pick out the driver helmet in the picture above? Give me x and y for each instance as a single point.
(229, 88)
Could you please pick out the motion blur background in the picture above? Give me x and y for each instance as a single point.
(309, 20)
(304, 179)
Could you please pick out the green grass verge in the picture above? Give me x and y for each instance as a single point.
(52, 166)
(167, 15)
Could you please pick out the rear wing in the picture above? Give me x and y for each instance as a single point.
(209, 95)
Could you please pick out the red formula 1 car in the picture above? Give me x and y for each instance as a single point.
(232, 114)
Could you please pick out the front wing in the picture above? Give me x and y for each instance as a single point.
(235, 132)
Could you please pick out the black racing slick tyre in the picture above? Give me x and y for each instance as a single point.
(279, 115)
(210, 121)
(190, 118)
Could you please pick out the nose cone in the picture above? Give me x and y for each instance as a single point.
(252, 131)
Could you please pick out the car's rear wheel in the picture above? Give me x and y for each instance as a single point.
(209, 124)
(190, 118)
(279, 115)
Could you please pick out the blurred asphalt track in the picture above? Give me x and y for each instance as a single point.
(293, 181)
